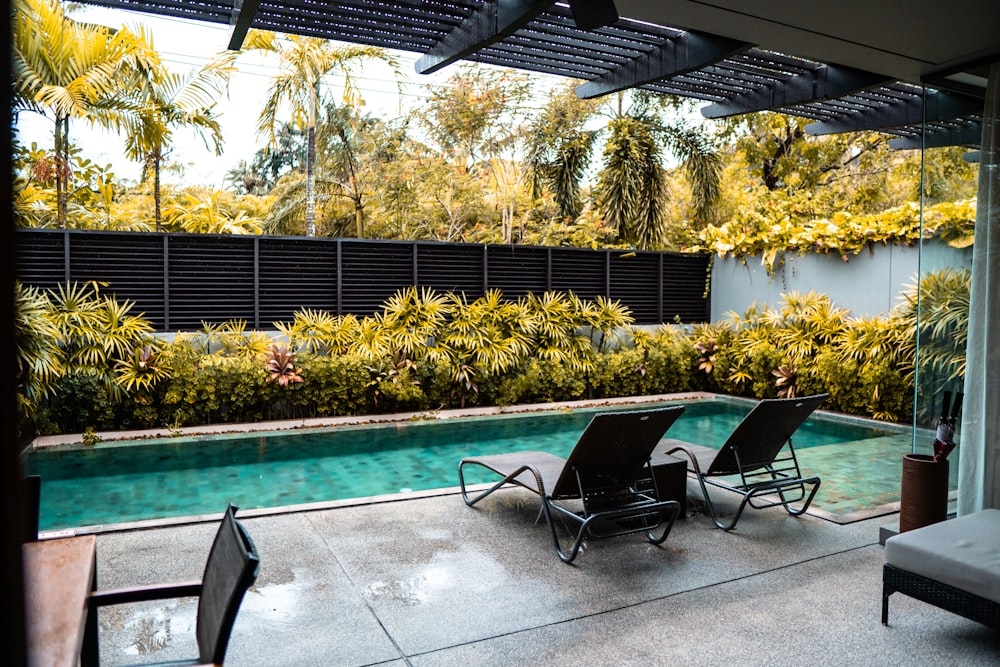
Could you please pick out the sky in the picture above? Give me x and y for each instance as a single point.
(185, 45)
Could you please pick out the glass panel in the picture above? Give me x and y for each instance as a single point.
(947, 197)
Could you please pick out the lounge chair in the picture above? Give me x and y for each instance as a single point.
(755, 459)
(230, 570)
(608, 472)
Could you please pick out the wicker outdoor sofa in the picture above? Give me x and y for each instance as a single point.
(954, 565)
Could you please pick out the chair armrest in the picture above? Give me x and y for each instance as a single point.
(144, 593)
(687, 452)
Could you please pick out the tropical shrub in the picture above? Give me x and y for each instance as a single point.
(540, 381)
(80, 399)
(660, 362)
(103, 370)
(217, 389)
(333, 386)
(669, 361)
(808, 346)
(874, 388)
(73, 341)
(620, 373)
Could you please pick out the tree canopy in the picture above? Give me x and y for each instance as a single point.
(489, 155)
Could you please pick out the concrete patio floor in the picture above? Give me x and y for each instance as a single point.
(429, 581)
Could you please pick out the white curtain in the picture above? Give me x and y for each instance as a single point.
(979, 448)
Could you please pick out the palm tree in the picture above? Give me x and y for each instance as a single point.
(633, 183)
(632, 186)
(561, 148)
(304, 63)
(73, 70)
(168, 100)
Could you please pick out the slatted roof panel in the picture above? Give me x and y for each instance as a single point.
(551, 43)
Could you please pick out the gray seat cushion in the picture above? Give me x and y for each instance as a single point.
(963, 553)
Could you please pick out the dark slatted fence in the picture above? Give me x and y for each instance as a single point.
(181, 280)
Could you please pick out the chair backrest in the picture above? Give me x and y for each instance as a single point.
(758, 439)
(31, 496)
(614, 449)
(230, 570)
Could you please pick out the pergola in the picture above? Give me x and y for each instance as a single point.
(925, 71)
(613, 50)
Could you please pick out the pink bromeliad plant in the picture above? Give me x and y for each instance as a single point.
(281, 366)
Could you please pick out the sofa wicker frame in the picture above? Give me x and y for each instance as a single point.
(949, 598)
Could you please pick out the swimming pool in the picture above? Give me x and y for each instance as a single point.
(119, 482)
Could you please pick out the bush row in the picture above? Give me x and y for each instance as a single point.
(416, 356)
(218, 389)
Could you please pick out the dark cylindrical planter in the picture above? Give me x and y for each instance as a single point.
(924, 495)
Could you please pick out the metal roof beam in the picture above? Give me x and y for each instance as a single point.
(689, 51)
(490, 23)
(590, 14)
(966, 135)
(243, 14)
(940, 106)
(826, 82)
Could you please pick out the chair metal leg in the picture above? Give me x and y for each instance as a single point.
(666, 513)
(675, 510)
(885, 605)
(577, 541)
(503, 482)
(711, 508)
(748, 498)
(805, 505)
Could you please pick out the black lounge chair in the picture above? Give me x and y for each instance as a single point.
(608, 472)
(231, 569)
(755, 452)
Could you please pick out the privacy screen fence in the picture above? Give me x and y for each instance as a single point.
(181, 280)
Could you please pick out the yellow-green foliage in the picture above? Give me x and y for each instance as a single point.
(779, 227)
(215, 389)
(865, 364)
(805, 345)
(541, 381)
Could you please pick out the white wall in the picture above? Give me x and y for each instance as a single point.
(869, 283)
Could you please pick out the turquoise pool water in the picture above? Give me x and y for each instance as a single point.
(118, 482)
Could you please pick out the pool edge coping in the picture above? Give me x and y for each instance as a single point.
(42, 442)
(148, 524)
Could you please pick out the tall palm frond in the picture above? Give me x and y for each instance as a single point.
(168, 101)
(74, 70)
(36, 338)
(561, 149)
(935, 311)
(700, 161)
(304, 62)
(632, 185)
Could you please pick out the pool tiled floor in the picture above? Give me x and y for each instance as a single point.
(861, 477)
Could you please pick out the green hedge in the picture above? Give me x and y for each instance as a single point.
(234, 376)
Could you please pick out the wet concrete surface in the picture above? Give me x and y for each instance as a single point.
(430, 581)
